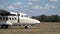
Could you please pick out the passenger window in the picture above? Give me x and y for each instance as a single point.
(6, 18)
(3, 18)
(15, 18)
(9, 18)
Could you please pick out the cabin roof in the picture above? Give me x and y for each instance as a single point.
(22, 14)
(13, 13)
(19, 13)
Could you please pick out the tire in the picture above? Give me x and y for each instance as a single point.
(4, 26)
(26, 27)
(1, 27)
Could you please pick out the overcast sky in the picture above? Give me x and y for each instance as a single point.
(32, 7)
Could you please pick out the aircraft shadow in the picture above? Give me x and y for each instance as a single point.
(22, 28)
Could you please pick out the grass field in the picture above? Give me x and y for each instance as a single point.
(43, 28)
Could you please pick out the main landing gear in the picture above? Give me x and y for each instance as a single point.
(4, 27)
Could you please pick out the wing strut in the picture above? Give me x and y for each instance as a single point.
(18, 16)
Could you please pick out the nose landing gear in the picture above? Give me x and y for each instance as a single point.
(26, 27)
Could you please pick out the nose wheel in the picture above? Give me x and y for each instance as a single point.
(26, 27)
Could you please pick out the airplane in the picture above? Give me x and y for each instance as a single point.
(15, 19)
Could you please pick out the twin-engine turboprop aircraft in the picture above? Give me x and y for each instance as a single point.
(17, 19)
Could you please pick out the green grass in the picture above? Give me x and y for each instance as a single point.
(43, 28)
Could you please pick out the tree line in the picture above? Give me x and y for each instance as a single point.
(44, 18)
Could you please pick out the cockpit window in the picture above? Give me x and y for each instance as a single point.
(25, 16)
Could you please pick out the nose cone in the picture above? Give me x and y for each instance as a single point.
(37, 21)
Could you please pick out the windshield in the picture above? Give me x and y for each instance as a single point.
(23, 15)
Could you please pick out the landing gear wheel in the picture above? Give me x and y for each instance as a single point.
(4, 26)
(26, 27)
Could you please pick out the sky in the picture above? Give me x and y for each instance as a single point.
(32, 7)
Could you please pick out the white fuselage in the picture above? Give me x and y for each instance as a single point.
(14, 20)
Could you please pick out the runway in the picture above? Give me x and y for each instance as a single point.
(43, 28)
